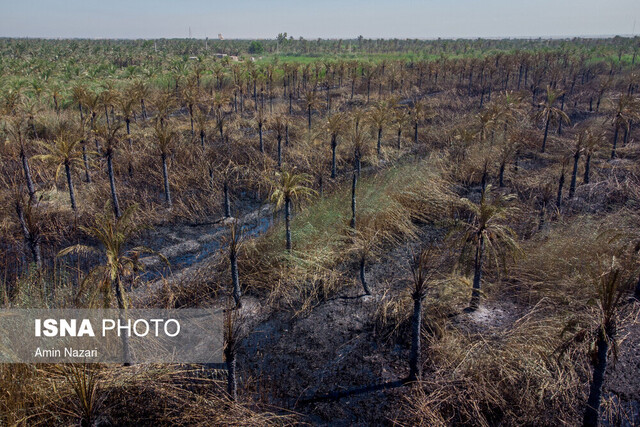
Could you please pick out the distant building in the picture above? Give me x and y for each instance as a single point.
(220, 36)
(220, 55)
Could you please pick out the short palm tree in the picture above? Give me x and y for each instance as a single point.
(548, 113)
(311, 102)
(335, 125)
(626, 109)
(165, 137)
(400, 121)
(611, 282)
(379, 116)
(486, 231)
(423, 270)
(112, 235)
(288, 188)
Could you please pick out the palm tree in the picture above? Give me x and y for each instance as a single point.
(486, 231)
(592, 142)
(109, 135)
(30, 227)
(277, 123)
(624, 112)
(578, 149)
(63, 153)
(423, 271)
(260, 119)
(611, 283)
(379, 117)
(288, 188)
(311, 102)
(112, 235)
(335, 125)
(359, 141)
(15, 129)
(366, 241)
(400, 120)
(548, 113)
(165, 136)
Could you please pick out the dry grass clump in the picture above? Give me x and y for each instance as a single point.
(513, 377)
(144, 394)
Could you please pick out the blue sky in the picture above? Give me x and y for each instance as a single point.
(319, 18)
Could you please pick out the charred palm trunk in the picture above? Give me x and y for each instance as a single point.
(415, 133)
(112, 184)
(232, 385)
(591, 415)
(354, 183)
(546, 133)
(128, 121)
(165, 176)
(574, 174)
(334, 144)
(399, 137)
(287, 220)
(27, 174)
(501, 174)
(363, 279)
(260, 135)
(227, 205)
(72, 196)
(279, 137)
(560, 186)
(615, 142)
(309, 116)
(560, 121)
(587, 169)
(416, 330)
(202, 138)
(237, 293)
(543, 209)
(122, 306)
(477, 274)
(356, 161)
(85, 159)
(379, 141)
(32, 239)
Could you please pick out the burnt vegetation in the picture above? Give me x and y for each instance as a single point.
(399, 231)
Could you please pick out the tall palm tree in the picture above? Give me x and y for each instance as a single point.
(486, 231)
(63, 153)
(109, 133)
(112, 235)
(548, 113)
(287, 189)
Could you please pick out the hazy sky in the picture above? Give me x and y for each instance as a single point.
(317, 18)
